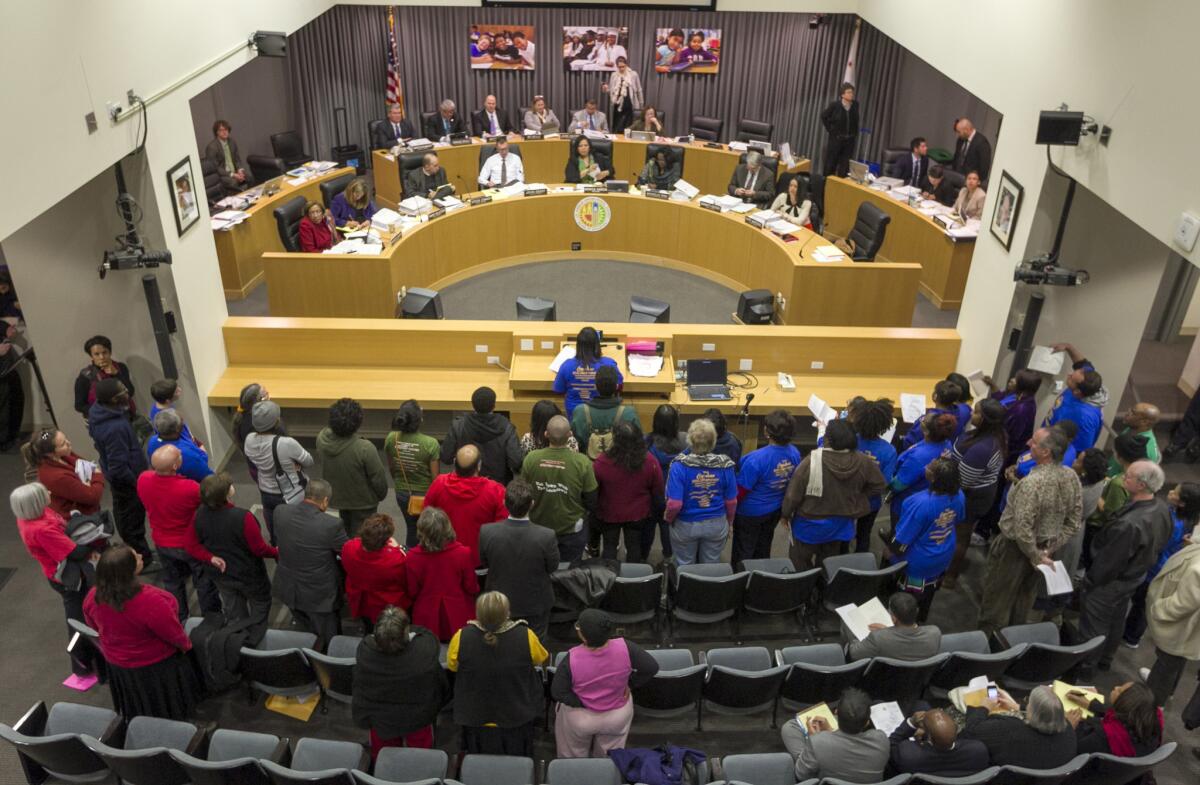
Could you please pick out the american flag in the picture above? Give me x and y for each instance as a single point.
(395, 95)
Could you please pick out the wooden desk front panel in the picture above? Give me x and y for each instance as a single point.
(911, 237)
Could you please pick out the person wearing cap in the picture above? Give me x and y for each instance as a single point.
(279, 460)
(491, 432)
(591, 685)
(122, 461)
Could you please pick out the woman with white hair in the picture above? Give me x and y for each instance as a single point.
(44, 533)
(1038, 738)
(701, 498)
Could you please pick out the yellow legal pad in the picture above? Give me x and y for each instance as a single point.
(820, 710)
(294, 707)
(1061, 689)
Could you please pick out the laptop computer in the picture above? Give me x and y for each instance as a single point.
(706, 380)
(859, 171)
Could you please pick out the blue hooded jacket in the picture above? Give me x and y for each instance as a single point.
(121, 455)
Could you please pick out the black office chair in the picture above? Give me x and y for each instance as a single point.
(233, 757)
(775, 587)
(409, 162)
(426, 119)
(852, 578)
(287, 221)
(265, 167)
(375, 131)
(674, 153)
(536, 309)
(334, 186)
(145, 757)
(647, 310)
(955, 179)
(707, 129)
(290, 148)
(705, 594)
(602, 146)
(754, 131)
(214, 191)
(48, 743)
(634, 596)
(676, 688)
(891, 157)
(1044, 658)
(870, 229)
(970, 656)
(488, 150)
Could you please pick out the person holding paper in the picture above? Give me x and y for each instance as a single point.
(762, 481)
(905, 640)
(701, 498)
(1129, 724)
(576, 377)
(1083, 401)
(1044, 511)
(1184, 503)
(830, 490)
(428, 180)
(945, 401)
(927, 533)
(874, 424)
(910, 466)
(353, 207)
(1122, 553)
(1141, 420)
(588, 119)
(1019, 400)
(624, 89)
(74, 484)
(853, 751)
(1040, 738)
(937, 188)
(661, 171)
(584, 165)
(928, 743)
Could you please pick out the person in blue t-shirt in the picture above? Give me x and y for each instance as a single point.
(576, 378)
(871, 420)
(168, 426)
(1082, 402)
(762, 481)
(938, 430)
(664, 442)
(1184, 501)
(701, 498)
(964, 406)
(924, 536)
(945, 399)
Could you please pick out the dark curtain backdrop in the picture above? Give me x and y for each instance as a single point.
(774, 68)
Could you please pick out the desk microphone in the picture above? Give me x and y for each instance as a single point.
(746, 406)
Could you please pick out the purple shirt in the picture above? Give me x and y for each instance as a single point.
(600, 677)
(1018, 423)
(343, 212)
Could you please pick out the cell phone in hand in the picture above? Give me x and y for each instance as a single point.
(993, 693)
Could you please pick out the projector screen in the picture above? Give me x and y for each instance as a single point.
(699, 5)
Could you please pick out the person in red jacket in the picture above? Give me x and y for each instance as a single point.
(439, 576)
(63, 473)
(316, 229)
(374, 565)
(171, 502)
(470, 499)
(141, 640)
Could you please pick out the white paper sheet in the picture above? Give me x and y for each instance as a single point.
(1058, 580)
(822, 412)
(978, 388)
(887, 436)
(564, 354)
(644, 364)
(859, 618)
(84, 470)
(887, 716)
(1046, 360)
(912, 406)
(686, 188)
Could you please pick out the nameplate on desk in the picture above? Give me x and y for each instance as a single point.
(420, 148)
(474, 200)
(714, 146)
(459, 141)
(395, 238)
(756, 222)
(535, 191)
(493, 138)
(716, 208)
(532, 136)
(595, 189)
(656, 194)
(438, 213)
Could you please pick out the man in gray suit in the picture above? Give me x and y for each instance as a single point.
(904, 640)
(308, 578)
(853, 753)
(589, 119)
(222, 152)
(519, 557)
(752, 181)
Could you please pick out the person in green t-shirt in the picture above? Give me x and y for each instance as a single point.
(412, 459)
(564, 489)
(1140, 420)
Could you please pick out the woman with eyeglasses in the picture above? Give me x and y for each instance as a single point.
(75, 485)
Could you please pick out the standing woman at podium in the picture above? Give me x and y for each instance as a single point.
(624, 89)
(576, 377)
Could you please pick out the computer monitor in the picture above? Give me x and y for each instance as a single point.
(421, 304)
(756, 306)
(859, 171)
(702, 372)
(536, 309)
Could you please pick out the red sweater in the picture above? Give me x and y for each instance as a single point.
(46, 540)
(314, 238)
(145, 632)
(171, 502)
(442, 586)
(470, 502)
(67, 493)
(626, 496)
(374, 579)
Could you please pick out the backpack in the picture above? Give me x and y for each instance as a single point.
(666, 765)
(92, 530)
(599, 439)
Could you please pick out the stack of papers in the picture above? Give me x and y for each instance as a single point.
(414, 205)
(1046, 360)
(227, 219)
(235, 202)
(887, 717)
(646, 365)
(859, 618)
(385, 220)
(742, 208)
(564, 354)
(785, 155)
(762, 218)
(782, 226)
(590, 134)
(821, 411)
(356, 247)
(84, 470)
(828, 253)
(969, 230)
(449, 202)
(726, 203)
(889, 182)
(687, 189)
(741, 147)
(1058, 580)
(912, 407)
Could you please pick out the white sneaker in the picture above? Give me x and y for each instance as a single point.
(1144, 673)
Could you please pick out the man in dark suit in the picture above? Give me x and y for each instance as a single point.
(840, 119)
(972, 151)
(445, 122)
(928, 743)
(491, 120)
(308, 579)
(222, 152)
(913, 168)
(519, 557)
(752, 181)
(426, 180)
(396, 128)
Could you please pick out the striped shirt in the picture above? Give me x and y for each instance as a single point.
(978, 464)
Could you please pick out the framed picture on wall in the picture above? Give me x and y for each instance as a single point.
(182, 187)
(594, 48)
(1004, 214)
(687, 50)
(506, 47)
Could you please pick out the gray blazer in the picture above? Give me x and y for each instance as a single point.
(550, 125)
(579, 121)
(520, 556)
(216, 157)
(308, 576)
(763, 184)
(859, 757)
(898, 643)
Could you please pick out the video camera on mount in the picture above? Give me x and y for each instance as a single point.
(132, 258)
(1043, 270)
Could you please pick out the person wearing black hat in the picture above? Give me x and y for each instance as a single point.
(491, 432)
(122, 459)
(591, 685)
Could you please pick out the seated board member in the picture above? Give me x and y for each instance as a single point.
(445, 123)
(647, 120)
(589, 119)
(969, 203)
(586, 166)
(491, 120)
(353, 207)
(541, 118)
(316, 229)
(913, 168)
(502, 167)
(937, 187)
(428, 179)
(222, 152)
(397, 129)
(752, 181)
(661, 172)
